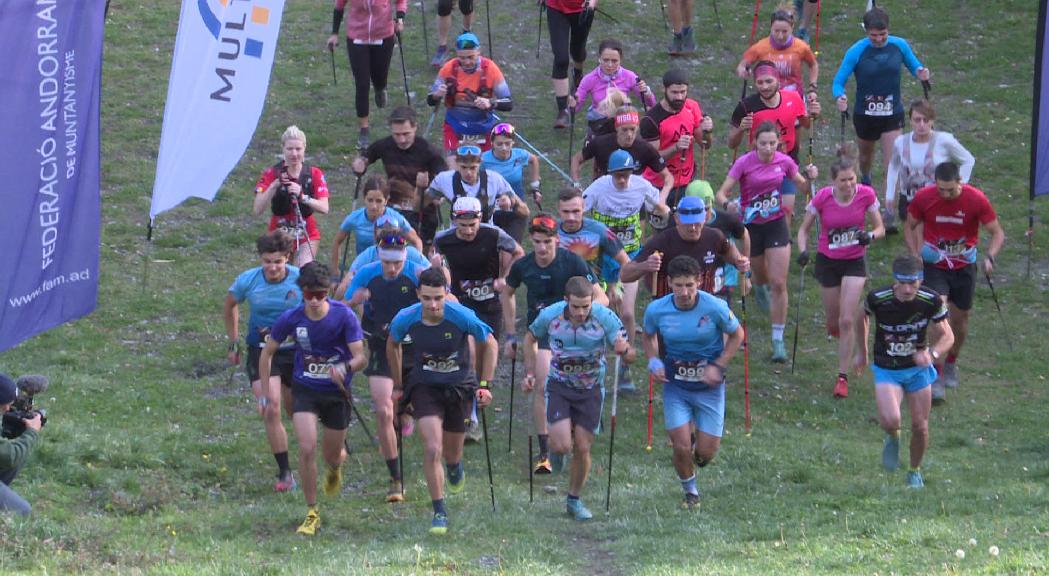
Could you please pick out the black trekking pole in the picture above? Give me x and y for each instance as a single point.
(612, 434)
(571, 133)
(513, 374)
(797, 316)
(531, 473)
(491, 55)
(926, 88)
(663, 11)
(364, 425)
(844, 119)
(404, 70)
(717, 17)
(539, 39)
(331, 52)
(487, 456)
(1001, 317)
(400, 447)
(426, 35)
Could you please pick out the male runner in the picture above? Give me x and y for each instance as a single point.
(578, 331)
(784, 108)
(470, 179)
(385, 288)
(949, 215)
(328, 350)
(442, 386)
(684, 338)
(679, 12)
(545, 271)
(731, 225)
(444, 25)
(903, 359)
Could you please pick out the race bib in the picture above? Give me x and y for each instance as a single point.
(478, 290)
(317, 367)
(625, 233)
(440, 364)
(878, 105)
(577, 369)
(688, 370)
(763, 206)
(900, 346)
(297, 232)
(954, 248)
(839, 238)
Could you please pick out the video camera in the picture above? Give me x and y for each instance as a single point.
(22, 409)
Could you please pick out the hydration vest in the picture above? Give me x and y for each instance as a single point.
(484, 91)
(281, 203)
(482, 193)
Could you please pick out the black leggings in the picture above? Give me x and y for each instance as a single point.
(444, 7)
(567, 36)
(372, 62)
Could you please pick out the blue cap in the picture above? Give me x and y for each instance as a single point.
(8, 390)
(691, 210)
(467, 41)
(621, 160)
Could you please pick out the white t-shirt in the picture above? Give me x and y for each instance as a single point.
(603, 197)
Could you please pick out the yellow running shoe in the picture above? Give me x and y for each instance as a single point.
(310, 524)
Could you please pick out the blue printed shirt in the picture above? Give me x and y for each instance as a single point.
(577, 352)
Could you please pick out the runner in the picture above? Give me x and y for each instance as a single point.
(877, 114)
(787, 53)
(362, 221)
(569, 22)
(951, 214)
(915, 156)
(409, 158)
(601, 148)
(472, 88)
(269, 289)
(903, 359)
(784, 108)
(294, 190)
(808, 11)
(596, 244)
(444, 25)
(687, 351)
(674, 127)
(684, 40)
(510, 163)
(690, 237)
(470, 180)
(608, 75)
(843, 209)
(370, 34)
(579, 332)
(545, 271)
(761, 174)
(443, 386)
(616, 200)
(383, 289)
(328, 350)
(727, 276)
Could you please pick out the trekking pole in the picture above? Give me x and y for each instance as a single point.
(429, 123)
(641, 96)
(426, 35)
(717, 17)
(844, 118)
(753, 33)
(539, 153)
(663, 11)
(331, 52)
(488, 457)
(816, 44)
(491, 54)
(531, 454)
(797, 316)
(404, 70)
(364, 425)
(746, 354)
(400, 447)
(612, 436)
(708, 140)
(539, 38)
(651, 386)
(571, 132)
(513, 380)
(926, 87)
(1001, 317)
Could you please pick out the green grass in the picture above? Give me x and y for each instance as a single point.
(153, 462)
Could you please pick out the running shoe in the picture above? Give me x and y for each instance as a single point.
(939, 392)
(890, 454)
(474, 432)
(562, 120)
(841, 387)
(676, 44)
(457, 481)
(543, 466)
(439, 524)
(557, 463)
(890, 222)
(439, 56)
(310, 524)
(395, 493)
(691, 501)
(380, 98)
(285, 482)
(333, 481)
(576, 509)
(950, 375)
(688, 41)
(915, 480)
(762, 297)
(626, 384)
(779, 351)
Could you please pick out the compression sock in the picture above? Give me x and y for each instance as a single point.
(689, 485)
(777, 331)
(544, 449)
(391, 465)
(282, 461)
(562, 103)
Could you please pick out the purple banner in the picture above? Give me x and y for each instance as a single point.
(49, 110)
(1040, 138)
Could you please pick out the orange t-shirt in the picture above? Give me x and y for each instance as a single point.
(788, 61)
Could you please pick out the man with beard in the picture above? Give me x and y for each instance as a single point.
(784, 108)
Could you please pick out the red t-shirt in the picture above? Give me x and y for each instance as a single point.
(791, 107)
(951, 227)
(566, 6)
(287, 221)
(668, 127)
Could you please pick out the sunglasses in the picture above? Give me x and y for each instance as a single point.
(466, 45)
(544, 222)
(392, 240)
(468, 151)
(314, 294)
(691, 211)
(466, 215)
(504, 129)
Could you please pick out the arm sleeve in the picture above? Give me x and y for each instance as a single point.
(417, 258)
(347, 223)
(402, 322)
(727, 321)
(281, 329)
(654, 161)
(610, 322)
(987, 213)
(362, 278)
(651, 194)
(351, 330)
(264, 181)
(539, 326)
(651, 320)
(909, 59)
(586, 86)
(513, 277)
(848, 64)
(239, 288)
(362, 259)
(506, 243)
(648, 127)
(959, 154)
(737, 114)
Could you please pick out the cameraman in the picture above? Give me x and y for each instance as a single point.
(14, 452)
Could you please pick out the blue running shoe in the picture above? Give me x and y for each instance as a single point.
(915, 480)
(779, 351)
(576, 509)
(890, 454)
(439, 524)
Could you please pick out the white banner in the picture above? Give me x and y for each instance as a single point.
(220, 74)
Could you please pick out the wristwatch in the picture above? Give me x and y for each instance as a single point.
(935, 355)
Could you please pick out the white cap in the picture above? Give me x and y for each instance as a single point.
(466, 204)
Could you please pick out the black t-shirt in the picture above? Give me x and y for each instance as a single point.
(387, 298)
(546, 286)
(709, 251)
(729, 224)
(406, 164)
(601, 148)
(900, 326)
(475, 265)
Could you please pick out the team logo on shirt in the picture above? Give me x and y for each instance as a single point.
(703, 320)
(447, 335)
(708, 258)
